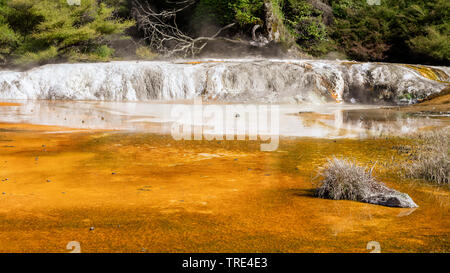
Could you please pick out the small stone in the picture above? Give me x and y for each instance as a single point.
(91, 228)
(48, 181)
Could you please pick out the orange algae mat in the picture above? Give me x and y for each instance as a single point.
(129, 192)
(9, 104)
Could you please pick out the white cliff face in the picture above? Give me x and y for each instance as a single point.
(282, 81)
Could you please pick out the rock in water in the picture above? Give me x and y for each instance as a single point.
(345, 180)
(391, 198)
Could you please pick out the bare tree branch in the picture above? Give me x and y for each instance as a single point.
(162, 33)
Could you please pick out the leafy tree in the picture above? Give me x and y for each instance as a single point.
(9, 39)
(46, 30)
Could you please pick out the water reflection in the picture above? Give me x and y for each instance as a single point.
(325, 121)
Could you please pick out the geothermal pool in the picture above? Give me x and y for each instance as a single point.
(146, 192)
(88, 154)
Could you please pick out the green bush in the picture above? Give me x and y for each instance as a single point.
(121, 8)
(243, 12)
(434, 44)
(307, 27)
(40, 57)
(248, 12)
(8, 40)
(47, 30)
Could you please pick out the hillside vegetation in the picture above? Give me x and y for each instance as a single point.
(409, 31)
(48, 30)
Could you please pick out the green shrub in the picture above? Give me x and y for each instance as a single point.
(47, 30)
(307, 27)
(434, 44)
(121, 8)
(223, 12)
(8, 41)
(38, 58)
(248, 12)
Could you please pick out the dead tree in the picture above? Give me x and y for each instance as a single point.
(162, 33)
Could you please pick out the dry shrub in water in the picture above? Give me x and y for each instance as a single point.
(430, 158)
(344, 179)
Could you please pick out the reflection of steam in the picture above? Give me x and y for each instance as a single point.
(324, 121)
(341, 218)
(406, 212)
(338, 119)
(379, 122)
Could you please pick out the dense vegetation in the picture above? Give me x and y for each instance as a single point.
(411, 31)
(397, 30)
(47, 30)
